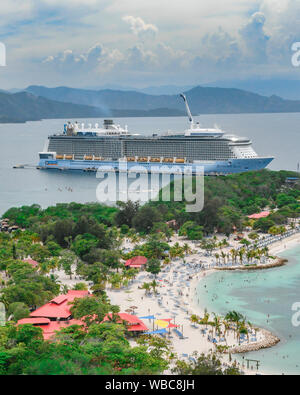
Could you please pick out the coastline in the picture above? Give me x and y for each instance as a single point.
(269, 339)
(280, 262)
(177, 299)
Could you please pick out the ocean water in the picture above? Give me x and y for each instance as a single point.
(272, 134)
(265, 298)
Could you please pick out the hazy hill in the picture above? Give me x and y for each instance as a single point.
(203, 100)
(24, 106)
(287, 89)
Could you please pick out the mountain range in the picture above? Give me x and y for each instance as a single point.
(202, 100)
(39, 102)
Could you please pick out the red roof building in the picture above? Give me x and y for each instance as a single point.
(31, 262)
(59, 307)
(136, 262)
(49, 327)
(263, 214)
(132, 322)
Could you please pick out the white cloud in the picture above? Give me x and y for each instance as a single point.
(195, 41)
(255, 39)
(140, 28)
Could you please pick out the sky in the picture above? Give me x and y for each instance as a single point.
(139, 43)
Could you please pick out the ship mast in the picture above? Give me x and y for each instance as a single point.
(188, 109)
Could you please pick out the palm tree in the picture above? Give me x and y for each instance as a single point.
(186, 248)
(167, 261)
(223, 255)
(194, 319)
(205, 319)
(154, 285)
(241, 255)
(233, 254)
(146, 287)
(226, 328)
(217, 322)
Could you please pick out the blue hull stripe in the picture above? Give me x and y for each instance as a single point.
(216, 167)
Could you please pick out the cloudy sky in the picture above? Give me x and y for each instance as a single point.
(91, 43)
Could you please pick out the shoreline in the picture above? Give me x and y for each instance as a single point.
(177, 299)
(269, 339)
(280, 262)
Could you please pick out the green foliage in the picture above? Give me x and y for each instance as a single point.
(96, 350)
(204, 365)
(153, 266)
(145, 218)
(126, 213)
(228, 200)
(27, 286)
(263, 224)
(18, 310)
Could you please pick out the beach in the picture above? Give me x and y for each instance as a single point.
(177, 300)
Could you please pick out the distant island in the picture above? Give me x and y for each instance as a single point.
(39, 102)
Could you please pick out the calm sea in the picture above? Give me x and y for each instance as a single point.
(272, 134)
(266, 299)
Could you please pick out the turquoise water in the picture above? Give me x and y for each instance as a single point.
(266, 298)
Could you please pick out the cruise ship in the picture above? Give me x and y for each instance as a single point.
(94, 148)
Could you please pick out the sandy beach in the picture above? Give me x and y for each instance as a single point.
(281, 246)
(177, 300)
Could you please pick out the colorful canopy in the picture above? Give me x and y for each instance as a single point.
(158, 332)
(161, 323)
(173, 326)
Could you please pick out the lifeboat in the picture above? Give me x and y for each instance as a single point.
(97, 158)
(143, 160)
(155, 160)
(69, 157)
(88, 157)
(59, 157)
(179, 160)
(131, 159)
(168, 160)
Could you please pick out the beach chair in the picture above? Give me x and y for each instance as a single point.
(178, 333)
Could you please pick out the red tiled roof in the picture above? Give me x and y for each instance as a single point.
(34, 321)
(31, 262)
(59, 307)
(136, 261)
(133, 323)
(263, 214)
(59, 299)
(49, 327)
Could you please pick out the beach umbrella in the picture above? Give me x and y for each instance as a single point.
(172, 326)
